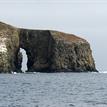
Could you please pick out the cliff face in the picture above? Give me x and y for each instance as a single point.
(37, 44)
(47, 51)
(54, 51)
(9, 44)
(71, 53)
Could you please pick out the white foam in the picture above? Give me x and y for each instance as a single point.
(103, 72)
(14, 72)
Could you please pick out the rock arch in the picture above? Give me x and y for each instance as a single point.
(24, 60)
(38, 46)
(47, 51)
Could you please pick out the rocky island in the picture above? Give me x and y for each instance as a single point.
(47, 51)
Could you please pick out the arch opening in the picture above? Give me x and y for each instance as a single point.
(24, 67)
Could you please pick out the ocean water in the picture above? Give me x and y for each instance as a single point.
(53, 90)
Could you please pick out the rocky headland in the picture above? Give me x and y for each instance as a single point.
(47, 51)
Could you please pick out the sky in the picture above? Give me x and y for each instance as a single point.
(84, 18)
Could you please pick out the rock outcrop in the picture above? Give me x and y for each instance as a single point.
(47, 51)
(9, 45)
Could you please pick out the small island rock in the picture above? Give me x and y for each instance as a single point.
(47, 51)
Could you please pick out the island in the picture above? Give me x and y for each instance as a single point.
(47, 51)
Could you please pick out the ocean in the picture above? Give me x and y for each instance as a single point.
(53, 90)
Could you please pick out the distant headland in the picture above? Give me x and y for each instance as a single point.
(47, 51)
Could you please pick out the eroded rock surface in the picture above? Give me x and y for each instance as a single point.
(47, 51)
(9, 44)
(54, 51)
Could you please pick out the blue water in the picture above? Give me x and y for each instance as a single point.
(53, 90)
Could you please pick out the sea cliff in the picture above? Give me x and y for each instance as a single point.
(47, 51)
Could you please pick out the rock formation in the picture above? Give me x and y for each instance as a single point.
(9, 44)
(47, 51)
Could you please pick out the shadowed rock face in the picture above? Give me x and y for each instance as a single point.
(56, 51)
(47, 51)
(38, 46)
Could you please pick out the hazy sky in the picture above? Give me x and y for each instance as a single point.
(85, 18)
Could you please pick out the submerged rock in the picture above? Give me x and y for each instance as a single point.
(47, 51)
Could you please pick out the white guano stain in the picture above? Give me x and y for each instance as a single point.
(3, 47)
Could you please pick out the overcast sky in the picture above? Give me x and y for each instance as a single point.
(85, 18)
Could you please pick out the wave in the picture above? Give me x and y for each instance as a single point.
(103, 72)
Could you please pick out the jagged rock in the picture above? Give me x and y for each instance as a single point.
(47, 51)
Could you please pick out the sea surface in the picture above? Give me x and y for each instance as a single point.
(53, 90)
